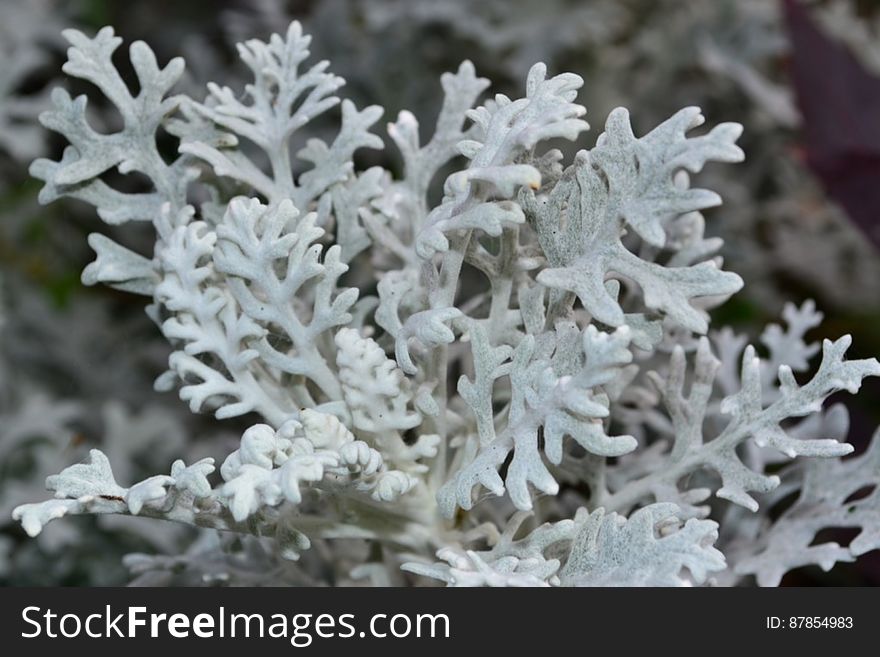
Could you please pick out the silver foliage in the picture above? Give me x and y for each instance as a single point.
(332, 304)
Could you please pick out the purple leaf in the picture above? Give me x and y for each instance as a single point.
(840, 104)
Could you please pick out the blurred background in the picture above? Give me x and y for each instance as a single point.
(800, 220)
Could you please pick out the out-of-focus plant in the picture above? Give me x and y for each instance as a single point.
(74, 375)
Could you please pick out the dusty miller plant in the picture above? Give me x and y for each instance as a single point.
(511, 385)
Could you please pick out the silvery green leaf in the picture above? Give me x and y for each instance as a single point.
(624, 183)
(787, 347)
(303, 468)
(392, 484)
(131, 149)
(461, 89)
(749, 418)
(281, 101)
(272, 467)
(119, 267)
(33, 517)
(249, 489)
(380, 400)
(503, 131)
(490, 217)
(429, 329)
(91, 59)
(650, 548)
(490, 363)
(832, 493)
(511, 561)
(393, 290)
(653, 547)
(275, 271)
(206, 322)
(146, 491)
(471, 570)
(193, 478)
(92, 479)
(261, 446)
(332, 163)
(350, 199)
(559, 401)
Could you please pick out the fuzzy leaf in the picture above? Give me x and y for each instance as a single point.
(650, 548)
(92, 479)
(629, 183)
